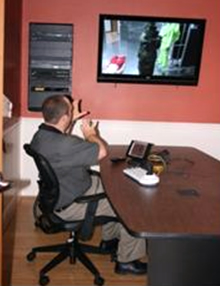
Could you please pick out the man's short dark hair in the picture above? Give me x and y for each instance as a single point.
(54, 107)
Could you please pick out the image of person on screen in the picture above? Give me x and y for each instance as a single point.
(169, 33)
(147, 53)
(71, 156)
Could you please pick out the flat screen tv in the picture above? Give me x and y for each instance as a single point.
(153, 50)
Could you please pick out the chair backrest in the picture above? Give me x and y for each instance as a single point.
(48, 182)
(47, 199)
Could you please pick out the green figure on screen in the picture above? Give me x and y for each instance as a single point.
(169, 33)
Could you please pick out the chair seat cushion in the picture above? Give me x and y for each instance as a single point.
(53, 224)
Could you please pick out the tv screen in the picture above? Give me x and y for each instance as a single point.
(154, 50)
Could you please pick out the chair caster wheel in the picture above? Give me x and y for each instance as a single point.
(44, 280)
(99, 281)
(31, 256)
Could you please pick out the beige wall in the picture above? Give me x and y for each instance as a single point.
(205, 137)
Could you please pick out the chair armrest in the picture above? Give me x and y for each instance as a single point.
(94, 172)
(90, 198)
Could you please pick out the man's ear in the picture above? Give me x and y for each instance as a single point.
(63, 119)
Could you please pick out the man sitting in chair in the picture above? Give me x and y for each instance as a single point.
(70, 157)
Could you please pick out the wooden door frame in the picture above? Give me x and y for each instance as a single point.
(2, 2)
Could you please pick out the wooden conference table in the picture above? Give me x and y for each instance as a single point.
(180, 218)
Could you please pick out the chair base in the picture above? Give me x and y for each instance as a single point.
(73, 250)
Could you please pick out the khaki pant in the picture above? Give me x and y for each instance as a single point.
(129, 247)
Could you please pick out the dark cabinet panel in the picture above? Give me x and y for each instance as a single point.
(50, 62)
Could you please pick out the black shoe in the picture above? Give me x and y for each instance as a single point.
(109, 246)
(135, 267)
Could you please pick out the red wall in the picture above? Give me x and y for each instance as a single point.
(126, 101)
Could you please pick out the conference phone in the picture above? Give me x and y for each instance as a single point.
(139, 168)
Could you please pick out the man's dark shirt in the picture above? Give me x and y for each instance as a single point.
(70, 157)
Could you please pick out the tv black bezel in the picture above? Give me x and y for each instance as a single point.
(153, 79)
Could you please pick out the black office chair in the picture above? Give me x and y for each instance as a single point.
(50, 223)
